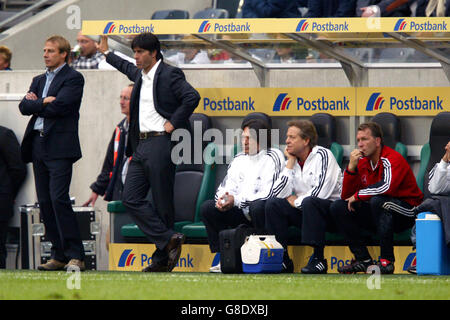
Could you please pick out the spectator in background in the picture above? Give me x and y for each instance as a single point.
(383, 8)
(331, 8)
(225, 56)
(5, 58)
(89, 57)
(189, 54)
(433, 8)
(12, 175)
(111, 179)
(195, 56)
(270, 9)
(289, 52)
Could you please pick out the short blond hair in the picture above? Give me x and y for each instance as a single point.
(6, 54)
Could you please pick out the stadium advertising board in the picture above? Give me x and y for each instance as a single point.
(293, 25)
(408, 101)
(198, 258)
(238, 102)
(411, 101)
(135, 257)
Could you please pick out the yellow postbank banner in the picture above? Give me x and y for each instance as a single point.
(409, 101)
(136, 256)
(292, 25)
(361, 101)
(198, 258)
(238, 102)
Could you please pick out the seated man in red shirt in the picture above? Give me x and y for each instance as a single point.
(379, 193)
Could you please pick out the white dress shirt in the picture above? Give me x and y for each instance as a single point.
(149, 118)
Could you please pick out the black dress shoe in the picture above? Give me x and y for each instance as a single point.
(173, 249)
(155, 267)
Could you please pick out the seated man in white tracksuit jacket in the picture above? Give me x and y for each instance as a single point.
(440, 175)
(309, 183)
(249, 182)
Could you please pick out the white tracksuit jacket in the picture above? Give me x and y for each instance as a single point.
(251, 178)
(440, 178)
(321, 177)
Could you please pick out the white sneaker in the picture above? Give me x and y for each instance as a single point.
(215, 269)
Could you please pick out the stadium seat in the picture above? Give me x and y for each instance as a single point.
(230, 5)
(194, 228)
(170, 14)
(211, 13)
(259, 115)
(425, 154)
(194, 183)
(197, 185)
(433, 151)
(326, 130)
(390, 125)
(253, 115)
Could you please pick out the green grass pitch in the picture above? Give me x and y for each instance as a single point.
(105, 285)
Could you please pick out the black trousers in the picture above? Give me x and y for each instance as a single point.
(3, 252)
(52, 180)
(373, 217)
(216, 221)
(151, 168)
(280, 215)
(317, 220)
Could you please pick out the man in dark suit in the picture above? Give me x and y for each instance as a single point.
(161, 101)
(12, 175)
(51, 143)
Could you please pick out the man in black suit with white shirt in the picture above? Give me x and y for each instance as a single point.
(161, 101)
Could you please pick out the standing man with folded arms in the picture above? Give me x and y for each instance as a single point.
(51, 143)
(161, 101)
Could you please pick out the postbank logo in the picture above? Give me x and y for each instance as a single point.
(204, 27)
(400, 25)
(410, 260)
(403, 25)
(110, 28)
(282, 102)
(226, 27)
(375, 102)
(302, 25)
(407, 102)
(126, 258)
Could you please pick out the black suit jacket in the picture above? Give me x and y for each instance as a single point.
(174, 98)
(60, 117)
(12, 172)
